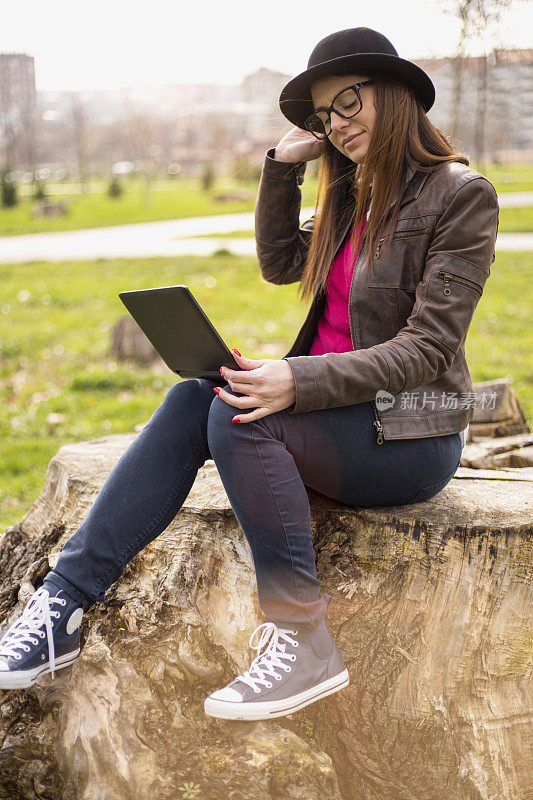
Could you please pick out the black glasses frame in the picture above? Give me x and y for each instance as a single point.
(356, 87)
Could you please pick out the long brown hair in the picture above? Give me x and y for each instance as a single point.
(402, 135)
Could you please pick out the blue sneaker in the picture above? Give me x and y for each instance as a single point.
(45, 638)
(270, 687)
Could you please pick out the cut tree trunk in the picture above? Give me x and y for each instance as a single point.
(431, 610)
(497, 411)
(507, 451)
(129, 342)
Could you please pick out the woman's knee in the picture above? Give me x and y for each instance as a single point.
(219, 423)
(191, 396)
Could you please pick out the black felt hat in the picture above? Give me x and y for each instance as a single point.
(350, 51)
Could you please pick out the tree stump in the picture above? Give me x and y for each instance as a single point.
(431, 610)
(49, 208)
(130, 342)
(497, 411)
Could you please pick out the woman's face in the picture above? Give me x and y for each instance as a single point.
(323, 91)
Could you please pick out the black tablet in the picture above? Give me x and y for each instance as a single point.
(180, 331)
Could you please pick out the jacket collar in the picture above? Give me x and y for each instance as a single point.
(413, 183)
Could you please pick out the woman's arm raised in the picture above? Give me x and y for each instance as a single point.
(281, 244)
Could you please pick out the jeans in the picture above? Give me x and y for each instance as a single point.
(264, 467)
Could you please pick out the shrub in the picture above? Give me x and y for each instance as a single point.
(8, 191)
(40, 191)
(208, 176)
(115, 188)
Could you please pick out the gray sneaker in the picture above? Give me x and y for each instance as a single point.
(271, 687)
(45, 638)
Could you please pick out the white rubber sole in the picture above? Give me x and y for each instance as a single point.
(224, 709)
(26, 678)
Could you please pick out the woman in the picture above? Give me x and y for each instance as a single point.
(395, 259)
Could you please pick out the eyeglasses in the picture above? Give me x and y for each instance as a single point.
(347, 103)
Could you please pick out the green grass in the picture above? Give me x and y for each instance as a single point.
(500, 339)
(507, 179)
(183, 197)
(516, 220)
(229, 235)
(56, 321)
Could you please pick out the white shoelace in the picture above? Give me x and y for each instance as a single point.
(27, 626)
(267, 662)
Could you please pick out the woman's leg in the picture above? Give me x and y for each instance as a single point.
(142, 494)
(265, 466)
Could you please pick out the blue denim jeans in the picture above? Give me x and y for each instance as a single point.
(264, 467)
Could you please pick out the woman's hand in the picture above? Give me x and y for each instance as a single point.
(268, 384)
(299, 145)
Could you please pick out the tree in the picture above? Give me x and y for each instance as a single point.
(139, 132)
(208, 175)
(476, 17)
(79, 131)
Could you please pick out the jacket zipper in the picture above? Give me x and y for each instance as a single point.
(399, 235)
(378, 248)
(377, 423)
(449, 276)
(409, 234)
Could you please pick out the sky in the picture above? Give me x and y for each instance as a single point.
(110, 44)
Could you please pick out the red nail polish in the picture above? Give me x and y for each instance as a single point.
(216, 390)
(236, 419)
(236, 351)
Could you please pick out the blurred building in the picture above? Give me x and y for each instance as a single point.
(18, 100)
(495, 110)
(260, 94)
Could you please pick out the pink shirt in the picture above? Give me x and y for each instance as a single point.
(333, 333)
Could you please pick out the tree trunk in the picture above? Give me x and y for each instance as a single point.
(481, 113)
(430, 610)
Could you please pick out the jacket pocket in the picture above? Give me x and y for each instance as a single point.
(452, 292)
(452, 277)
(409, 234)
(400, 264)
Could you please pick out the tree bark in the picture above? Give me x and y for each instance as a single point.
(431, 606)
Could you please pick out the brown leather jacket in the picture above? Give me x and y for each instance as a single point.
(409, 322)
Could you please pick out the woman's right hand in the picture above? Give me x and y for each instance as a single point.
(299, 145)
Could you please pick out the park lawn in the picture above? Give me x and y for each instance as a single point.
(56, 323)
(516, 220)
(185, 198)
(507, 179)
(247, 234)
